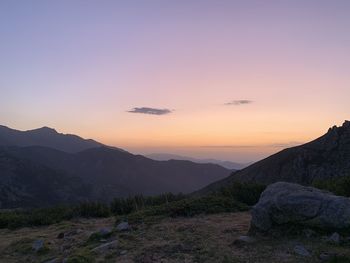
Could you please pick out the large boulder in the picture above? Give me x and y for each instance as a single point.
(287, 203)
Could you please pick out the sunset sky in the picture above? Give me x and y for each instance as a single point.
(234, 80)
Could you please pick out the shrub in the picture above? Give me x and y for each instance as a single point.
(247, 193)
(121, 206)
(190, 207)
(338, 185)
(93, 209)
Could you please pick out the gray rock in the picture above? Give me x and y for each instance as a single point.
(283, 203)
(105, 247)
(123, 226)
(301, 251)
(38, 245)
(54, 260)
(105, 231)
(334, 238)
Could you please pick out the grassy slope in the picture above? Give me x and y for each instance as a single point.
(203, 238)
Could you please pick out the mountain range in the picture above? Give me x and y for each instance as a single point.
(43, 167)
(325, 157)
(167, 156)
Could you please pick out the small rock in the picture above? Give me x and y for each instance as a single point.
(334, 238)
(123, 226)
(123, 252)
(301, 251)
(105, 247)
(38, 245)
(60, 235)
(106, 231)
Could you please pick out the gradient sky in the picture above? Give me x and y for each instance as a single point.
(242, 79)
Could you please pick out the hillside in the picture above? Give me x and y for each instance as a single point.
(27, 184)
(117, 173)
(325, 157)
(47, 137)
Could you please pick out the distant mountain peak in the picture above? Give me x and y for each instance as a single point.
(47, 137)
(44, 129)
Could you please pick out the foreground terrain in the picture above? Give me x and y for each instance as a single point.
(209, 238)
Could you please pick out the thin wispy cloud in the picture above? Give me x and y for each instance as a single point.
(238, 102)
(151, 111)
(276, 145)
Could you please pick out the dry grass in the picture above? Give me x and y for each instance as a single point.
(204, 239)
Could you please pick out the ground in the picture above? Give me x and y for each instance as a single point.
(207, 238)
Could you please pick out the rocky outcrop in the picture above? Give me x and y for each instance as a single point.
(326, 157)
(287, 203)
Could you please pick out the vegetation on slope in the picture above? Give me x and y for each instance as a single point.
(337, 185)
(237, 197)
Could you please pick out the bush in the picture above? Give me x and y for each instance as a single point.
(338, 185)
(189, 207)
(247, 193)
(93, 209)
(121, 206)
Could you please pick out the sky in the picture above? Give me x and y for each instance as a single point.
(233, 80)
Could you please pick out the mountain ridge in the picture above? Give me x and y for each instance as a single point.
(107, 172)
(322, 158)
(45, 136)
(166, 156)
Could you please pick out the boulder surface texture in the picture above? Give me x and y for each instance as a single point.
(288, 203)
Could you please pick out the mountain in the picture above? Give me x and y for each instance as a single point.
(117, 173)
(46, 167)
(325, 157)
(45, 137)
(27, 184)
(166, 157)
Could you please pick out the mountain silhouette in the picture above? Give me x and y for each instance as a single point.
(166, 157)
(325, 157)
(45, 136)
(104, 172)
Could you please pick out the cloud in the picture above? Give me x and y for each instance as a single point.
(229, 146)
(238, 102)
(151, 111)
(286, 145)
(274, 145)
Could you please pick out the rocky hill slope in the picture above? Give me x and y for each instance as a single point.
(326, 157)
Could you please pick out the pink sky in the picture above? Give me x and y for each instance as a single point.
(80, 66)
